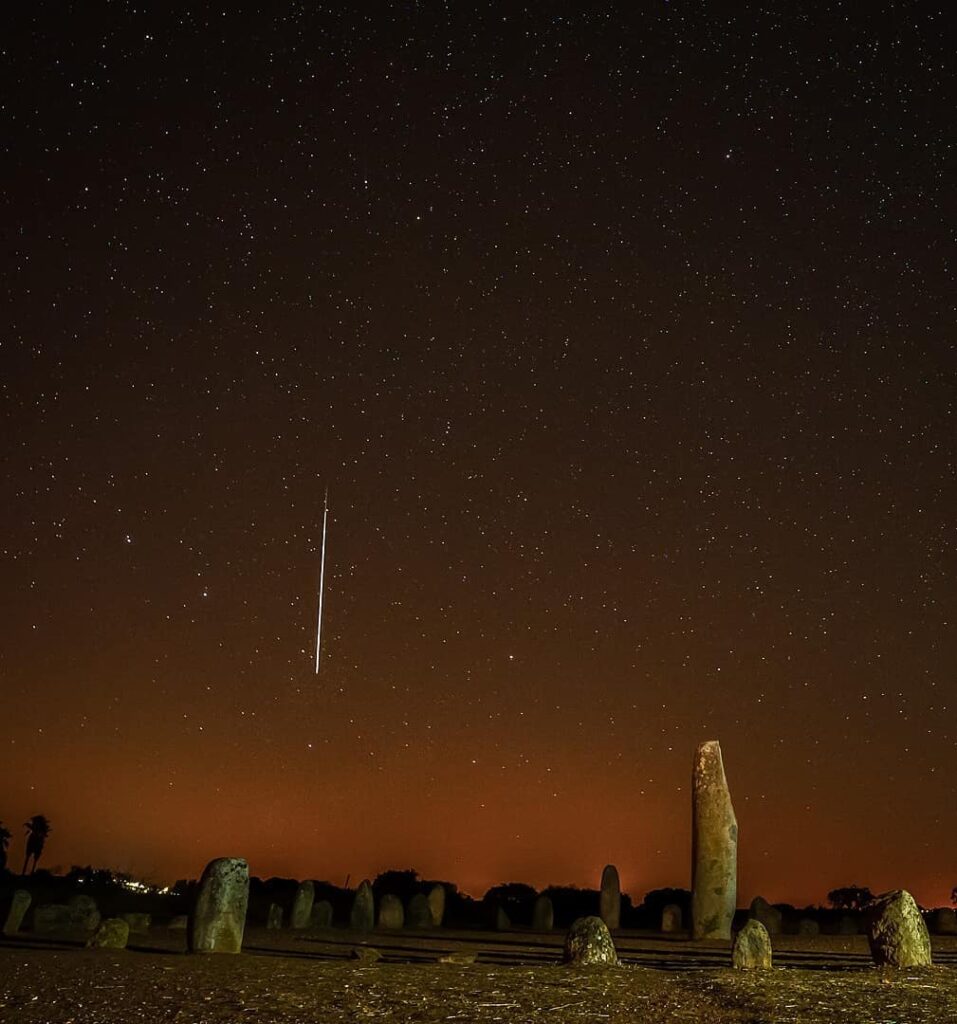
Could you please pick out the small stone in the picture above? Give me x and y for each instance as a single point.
(807, 926)
(139, 924)
(543, 915)
(458, 958)
(752, 948)
(896, 931)
(944, 921)
(178, 923)
(437, 905)
(391, 914)
(302, 903)
(322, 914)
(362, 916)
(671, 918)
(111, 934)
(610, 897)
(769, 916)
(274, 917)
(19, 904)
(84, 912)
(589, 942)
(419, 914)
(366, 954)
(218, 918)
(53, 917)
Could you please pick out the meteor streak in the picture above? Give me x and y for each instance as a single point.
(322, 577)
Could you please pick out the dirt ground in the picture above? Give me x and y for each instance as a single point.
(307, 977)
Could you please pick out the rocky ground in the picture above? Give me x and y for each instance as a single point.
(293, 977)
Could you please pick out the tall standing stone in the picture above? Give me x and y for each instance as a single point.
(419, 912)
(543, 915)
(218, 916)
(896, 931)
(302, 905)
(19, 904)
(391, 914)
(437, 905)
(770, 917)
(610, 899)
(274, 917)
(322, 914)
(714, 847)
(671, 918)
(362, 915)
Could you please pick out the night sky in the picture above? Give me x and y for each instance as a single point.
(623, 340)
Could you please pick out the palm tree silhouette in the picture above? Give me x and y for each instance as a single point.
(38, 828)
(5, 836)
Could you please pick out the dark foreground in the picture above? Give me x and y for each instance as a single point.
(305, 978)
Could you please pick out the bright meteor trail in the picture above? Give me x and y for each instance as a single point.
(322, 577)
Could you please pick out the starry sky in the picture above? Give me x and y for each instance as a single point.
(622, 337)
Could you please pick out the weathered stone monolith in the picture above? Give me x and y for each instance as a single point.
(671, 918)
(274, 917)
(84, 913)
(419, 913)
(896, 931)
(218, 917)
(362, 915)
(139, 924)
(714, 847)
(543, 915)
(391, 914)
(752, 948)
(437, 904)
(769, 916)
(589, 942)
(301, 913)
(322, 914)
(610, 898)
(502, 921)
(113, 933)
(19, 905)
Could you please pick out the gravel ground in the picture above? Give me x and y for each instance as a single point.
(296, 979)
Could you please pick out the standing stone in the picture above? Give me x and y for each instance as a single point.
(944, 921)
(322, 914)
(589, 942)
(19, 905)
(671, 918)
(896, 931)
(218, 917)
(138, 923)
(362, 915)
(714, 847)
(610, 899)
(391, 914)
(274, 917)
(502, 921)
(437, 905)
(112, 933)
(543, 915)
(769, 916)
(752, 948)
(419, 914)
(83, 912)
(807, 926)
(302, 903)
